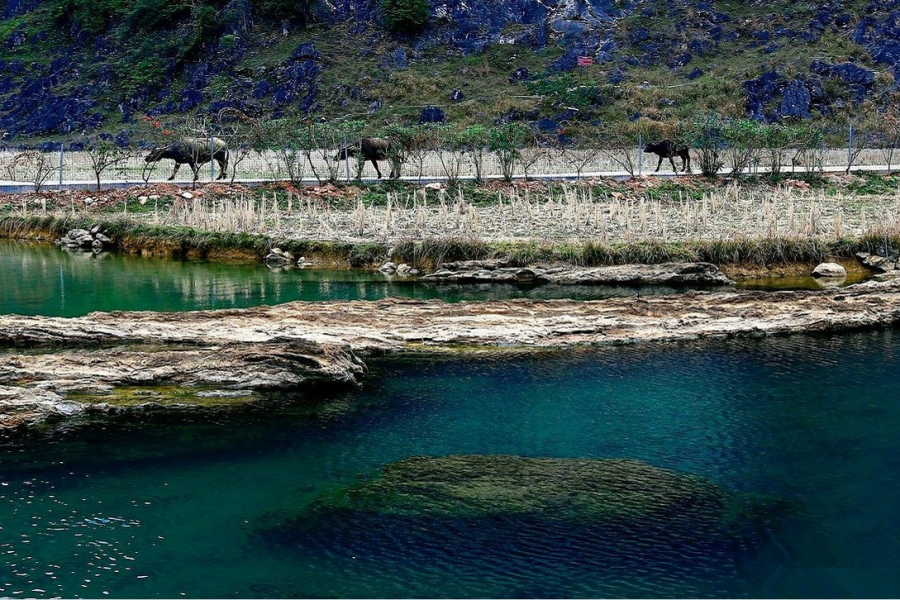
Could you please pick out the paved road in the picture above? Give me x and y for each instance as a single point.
(14, 187)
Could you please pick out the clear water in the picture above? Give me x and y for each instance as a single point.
(166, 505)
(45, 280)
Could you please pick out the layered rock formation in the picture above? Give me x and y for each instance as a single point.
(293, 345)
(500, 271)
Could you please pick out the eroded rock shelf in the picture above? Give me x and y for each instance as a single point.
(238, 353)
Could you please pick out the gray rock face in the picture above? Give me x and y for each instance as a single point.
(67, 384)
(279, 256)
(883, 264)
(19, 406)
(500, 272)
(829, 269)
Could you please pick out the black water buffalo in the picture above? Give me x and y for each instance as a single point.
(374, 149)
(194, 152)
(668, 149)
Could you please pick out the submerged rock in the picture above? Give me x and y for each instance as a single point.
(604, 500)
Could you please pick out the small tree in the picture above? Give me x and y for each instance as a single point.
(810, 142)
(243, 133)
(708, 137)
(450, 147)
(506, 141)
(534, 150)
(887, 129)
(774, 140)
(331, 138)
(424, 139)
(105, 153)
(288, 153)
(160, 135)
(402, 140)
(584, 150)
(201, 129)
(35, 165)
(405, 15)
(473, 140)
(620, 142)
(857, 142)
(742, 138)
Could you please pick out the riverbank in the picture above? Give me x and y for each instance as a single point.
(63, 367)
(749, 228)
(59, 368)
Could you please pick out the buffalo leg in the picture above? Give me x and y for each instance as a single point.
(377, 170)
(658, 163)
(223, 167)
(672, 160)
(177, 166)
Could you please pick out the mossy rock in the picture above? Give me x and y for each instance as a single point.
(621, 499)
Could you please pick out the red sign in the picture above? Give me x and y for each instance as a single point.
(585, 61)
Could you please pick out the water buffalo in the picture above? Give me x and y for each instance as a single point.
(194, 152)
(668, 149)
(374, 149)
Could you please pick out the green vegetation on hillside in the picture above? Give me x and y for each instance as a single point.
(151, 46)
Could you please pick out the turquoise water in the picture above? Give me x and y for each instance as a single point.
(45, 280)
(168, 505)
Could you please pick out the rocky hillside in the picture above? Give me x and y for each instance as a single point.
(75, 67)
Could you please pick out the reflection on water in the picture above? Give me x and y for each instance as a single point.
(801, 282)
(49, 281)
(164, 505)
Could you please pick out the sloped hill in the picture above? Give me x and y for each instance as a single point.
(69, 67)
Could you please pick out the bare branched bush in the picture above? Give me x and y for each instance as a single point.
(104, 154)
(243, 134)
(32, 165)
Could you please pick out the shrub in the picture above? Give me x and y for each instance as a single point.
(506, 142)
(94, 16)
(151, 15)
(708, 137)
(287, 9)
(405, 15)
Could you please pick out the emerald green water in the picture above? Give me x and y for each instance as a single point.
(168, 504)
(46, 280)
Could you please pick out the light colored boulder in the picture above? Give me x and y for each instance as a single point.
(829, 269)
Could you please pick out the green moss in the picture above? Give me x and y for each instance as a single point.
(130, 396)
(8, 26)
(509, 491)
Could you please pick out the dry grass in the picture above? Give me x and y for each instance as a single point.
(566, 214)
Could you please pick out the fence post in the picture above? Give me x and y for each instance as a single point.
(60, 166)
(640, 154)
(347, 158)
(850, 147)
